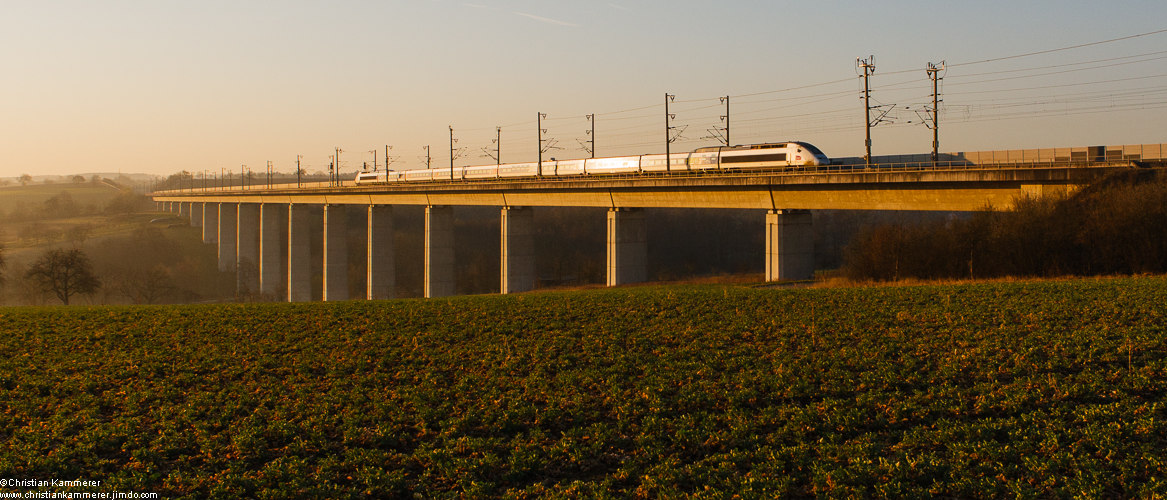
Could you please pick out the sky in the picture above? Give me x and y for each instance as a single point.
(163, 86)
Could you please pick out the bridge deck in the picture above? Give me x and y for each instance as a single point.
(885, 187)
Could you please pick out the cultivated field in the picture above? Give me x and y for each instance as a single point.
(33, 195)
(1052, 389)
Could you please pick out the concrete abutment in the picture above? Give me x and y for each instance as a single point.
(439, 251)
(300, 219)
(517, 240)
(247, 249)
(227, 235)
(627, 246)
(789, 245)
(335, 253)
(196, 214)
(271, 222)
(380, 270)
(210, 223)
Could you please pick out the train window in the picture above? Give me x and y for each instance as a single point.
(753, 158)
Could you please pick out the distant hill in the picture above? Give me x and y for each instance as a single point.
(135, 177)
(34, 194)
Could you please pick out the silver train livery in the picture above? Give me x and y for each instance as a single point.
(752, 156)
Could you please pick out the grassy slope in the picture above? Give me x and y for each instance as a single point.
(1050, 389)
(103, 226)
(34, 196)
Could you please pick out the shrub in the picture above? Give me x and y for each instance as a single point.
(1116, 226)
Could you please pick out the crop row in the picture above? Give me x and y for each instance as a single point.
(1015, 389)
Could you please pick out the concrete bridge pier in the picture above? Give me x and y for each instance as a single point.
(627, 246)
(335, 253)
(381, 272)
(439, 251)
(210, 223)
(300, 231)
(270, 268)
(789, 245)
(196, 214)
(184, 208)
(518, 250)
(247, 249)
(228, 220)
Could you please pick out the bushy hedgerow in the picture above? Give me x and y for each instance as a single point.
(1115, 226)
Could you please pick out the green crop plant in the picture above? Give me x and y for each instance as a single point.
(1052, 389)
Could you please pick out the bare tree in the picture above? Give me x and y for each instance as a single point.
(147, 287)
(27, 290)
(61, 205)
(37, 232)
(25, 179)
(78, 233)
(65, 273)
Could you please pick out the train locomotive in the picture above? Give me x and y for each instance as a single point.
(780, 155)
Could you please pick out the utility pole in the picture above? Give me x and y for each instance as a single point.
(269, 172)
(550, 142)
(375, 159)
(452, 141)
(721, 133)
(497, 156)
(591, 147)
(427, 156)
(868, 67)
(454, 153)
(726, 118)
(298, 170)
(539, 126)
(336, 166)
(934, 72)
(389, 160)
(668, 133)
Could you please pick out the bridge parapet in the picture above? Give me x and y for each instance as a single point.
(908, 188)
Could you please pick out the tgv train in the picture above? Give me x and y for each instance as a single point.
(753, 156)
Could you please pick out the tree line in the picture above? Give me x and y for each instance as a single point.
(1118, 225)
(150, 265)
(63, 205)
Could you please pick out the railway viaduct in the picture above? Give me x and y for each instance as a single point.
(247, 222)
